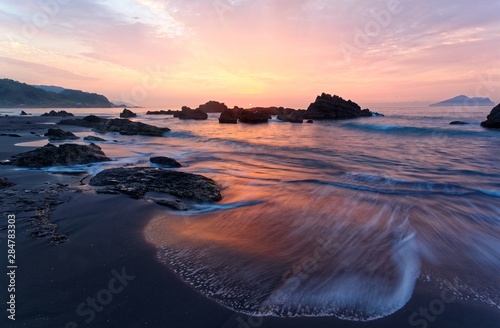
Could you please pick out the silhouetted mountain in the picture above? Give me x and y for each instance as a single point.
(17, 94)
(50, 88)
(465, 101)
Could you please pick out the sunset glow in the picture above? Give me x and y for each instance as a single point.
(264, 52)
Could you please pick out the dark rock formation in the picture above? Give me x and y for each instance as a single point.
(67, 154)
(192, 114)
(136, 182)
(4, 183)
(163, 112)
(23, 113)
(127, 113)
(493, 120)
(10, 135)
(213, 107)
(61, 113)
(230, 116)
(92, 138)
(122, 126)
(458, 123)
(58, 134)
(247, 116)
(327, 107)
(310, 121)
(165, 161)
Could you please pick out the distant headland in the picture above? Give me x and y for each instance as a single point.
(465, 101)
(14, 94)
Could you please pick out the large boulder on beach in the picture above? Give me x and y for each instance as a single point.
(127, 113)
(58, 134)
(67, 154)
(328, 107)
(253, 117)
(121, 126)
(165, 161)
(192, 114)
(61, 113)
(179, 188)
(493, 120)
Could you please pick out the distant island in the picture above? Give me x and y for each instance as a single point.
(14, 94)
(465, 101)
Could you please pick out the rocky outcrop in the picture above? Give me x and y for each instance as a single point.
(23, 113)
(458, 123)
(127, 113)
(61, 113)
(179, 188)
(327, 107)
(58, 134)
(67, 154)
(296, 116)
(192, 114)
(4, 183)
(213, 107)
(493, 120)
(230, 116)
(121, 126)
(251, 117)
(165, 161)
(163, 112)
(93, 138)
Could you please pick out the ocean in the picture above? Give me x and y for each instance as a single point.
(381, 218)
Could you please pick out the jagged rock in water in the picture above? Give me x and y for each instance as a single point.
(213, 107)
(493, 120)
(67, 154)
(58, 134)
(192, 114)
(327, 107)
(251, 117)
(127, 113)
(4, 183)
(62, 113)
(230, 116)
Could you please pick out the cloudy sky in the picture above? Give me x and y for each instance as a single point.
(166, 54)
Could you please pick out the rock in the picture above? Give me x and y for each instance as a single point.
(213, 107)
(13, 135)
(327, 107)
(136, 182)
(493, 120)
(67, 154)
(122, 126)
(458, 123)
(92, 138)
(165, 161)
(230, 116)
(163, 112)
(284, 117)
(297, 116)
(23, 113)
(126, 127)
(4, 183)
(310, 121)
(192, 114)
(251, 117)
(62, 113)
(58, 134)
(127, 113)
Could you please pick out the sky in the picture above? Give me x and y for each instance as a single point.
(172, 53)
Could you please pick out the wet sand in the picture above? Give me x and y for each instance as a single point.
(107, 257)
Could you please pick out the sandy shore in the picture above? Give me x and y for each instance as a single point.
(107, 258)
